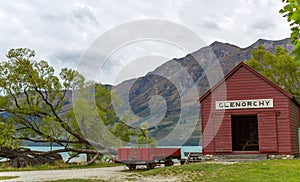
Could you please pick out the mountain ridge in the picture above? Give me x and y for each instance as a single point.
(169, 81)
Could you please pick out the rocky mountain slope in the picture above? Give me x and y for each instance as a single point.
(167, 97)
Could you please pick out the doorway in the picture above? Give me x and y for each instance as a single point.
(244, 133)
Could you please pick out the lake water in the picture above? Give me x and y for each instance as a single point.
(82, 157)
(190, 149)
(65, 155)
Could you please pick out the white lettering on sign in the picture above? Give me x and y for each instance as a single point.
(244, 104)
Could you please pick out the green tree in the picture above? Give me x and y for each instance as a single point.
(291, 10)
(6, 135)
(143, 139)
(280, 68)
(35, 97)
(100, 123)
(122, 130)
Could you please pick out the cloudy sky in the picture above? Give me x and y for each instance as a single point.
(60, 31)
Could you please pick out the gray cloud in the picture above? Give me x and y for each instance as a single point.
(211, 25)
(85, 14)
(262, 25)
(60, 31)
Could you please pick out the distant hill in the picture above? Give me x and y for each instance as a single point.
(142, 89)
(197, 65)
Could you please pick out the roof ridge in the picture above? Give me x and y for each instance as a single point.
(242, 64)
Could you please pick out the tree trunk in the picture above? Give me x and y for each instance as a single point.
(88, 156)
(90, 162)
(25, 157)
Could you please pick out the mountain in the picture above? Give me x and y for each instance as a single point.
(167, 98)
(171, 91)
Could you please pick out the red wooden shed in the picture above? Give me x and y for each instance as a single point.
(247, 113)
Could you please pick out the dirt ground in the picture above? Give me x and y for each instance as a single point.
(107, 174)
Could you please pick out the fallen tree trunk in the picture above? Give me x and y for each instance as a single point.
(23, 157)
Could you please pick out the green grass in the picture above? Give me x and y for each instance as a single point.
(58, 165)
(267, 170)
(78, 180)
(7, 177)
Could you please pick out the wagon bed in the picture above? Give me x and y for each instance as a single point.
(150, 157)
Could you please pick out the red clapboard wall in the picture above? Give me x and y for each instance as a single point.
(277, 125)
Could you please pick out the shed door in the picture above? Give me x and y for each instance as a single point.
(267, 132)
(244, 133)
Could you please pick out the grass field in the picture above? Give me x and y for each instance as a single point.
(58, 165)
(7, 177)
(266, 170)
(79, 180)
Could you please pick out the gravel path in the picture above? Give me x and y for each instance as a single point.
(107, 173)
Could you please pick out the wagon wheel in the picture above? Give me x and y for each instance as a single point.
(171, 161)
(168, 162)
(131, 166)
(148, 166)
(151, 165)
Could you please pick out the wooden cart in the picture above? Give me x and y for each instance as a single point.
(151, 157)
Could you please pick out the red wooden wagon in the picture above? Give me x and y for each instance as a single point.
(150, 157)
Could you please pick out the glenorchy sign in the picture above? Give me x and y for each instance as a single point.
(244, 104)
